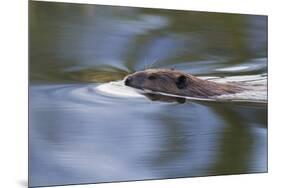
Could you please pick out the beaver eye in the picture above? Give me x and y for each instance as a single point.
(151, 77)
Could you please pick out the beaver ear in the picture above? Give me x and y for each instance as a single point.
(181, 82)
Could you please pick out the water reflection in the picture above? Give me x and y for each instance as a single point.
(238, 140)
(70, 38)
(78, 135)
(163, 98)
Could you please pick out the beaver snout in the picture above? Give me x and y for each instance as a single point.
(128, 81)
(134, 80)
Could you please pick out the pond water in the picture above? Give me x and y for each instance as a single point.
(81, 134)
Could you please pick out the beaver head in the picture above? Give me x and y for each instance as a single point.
(177, 83)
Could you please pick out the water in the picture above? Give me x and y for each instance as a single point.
(86, 127)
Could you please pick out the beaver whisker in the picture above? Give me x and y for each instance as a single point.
(153, 63)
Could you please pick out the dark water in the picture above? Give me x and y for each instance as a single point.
(78, 135)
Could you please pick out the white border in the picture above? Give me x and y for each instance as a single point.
(14, 81)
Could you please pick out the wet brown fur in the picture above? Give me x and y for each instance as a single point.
(178, 83)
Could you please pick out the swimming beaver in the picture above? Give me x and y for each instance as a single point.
(178, 83)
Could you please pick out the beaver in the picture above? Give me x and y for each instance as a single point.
(175, 82)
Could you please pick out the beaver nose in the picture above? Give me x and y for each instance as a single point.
(128, 81)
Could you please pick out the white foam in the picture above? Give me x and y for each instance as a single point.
(118, 89)
(229, 69)
(254, 64)
(242, 78)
